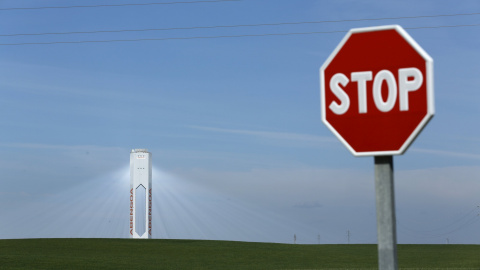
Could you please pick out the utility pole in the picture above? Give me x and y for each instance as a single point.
(294, 238)
(348, 236)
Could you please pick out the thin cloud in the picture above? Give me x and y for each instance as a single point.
(308, 205)
(55, 146)
(447, 153)
(270, 135)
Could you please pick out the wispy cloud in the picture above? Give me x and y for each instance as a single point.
(308, 205)
(447, 153)
(73, 82)
(270, 135)
(55, 146)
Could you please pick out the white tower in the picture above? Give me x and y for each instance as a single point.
(140, 194)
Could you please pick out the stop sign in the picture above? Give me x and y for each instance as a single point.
(376, 90)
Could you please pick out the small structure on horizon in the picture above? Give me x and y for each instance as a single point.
(140, 194)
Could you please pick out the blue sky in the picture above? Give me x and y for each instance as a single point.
(233, 123)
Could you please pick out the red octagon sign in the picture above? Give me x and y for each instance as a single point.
(376, 90)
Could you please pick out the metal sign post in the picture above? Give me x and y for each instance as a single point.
(386, 223)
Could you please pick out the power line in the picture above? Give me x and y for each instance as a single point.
(470, 221)
(171, 38)
(458, 224)
(122, 5)
(240, 25)
(215, 37)
(452, 224)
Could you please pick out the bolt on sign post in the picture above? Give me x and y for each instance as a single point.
(376, 92)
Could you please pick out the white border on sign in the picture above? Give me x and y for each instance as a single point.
(429, 82)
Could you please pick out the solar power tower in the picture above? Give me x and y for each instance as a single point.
(140, 194)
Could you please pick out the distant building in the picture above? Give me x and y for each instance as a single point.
(140, 194)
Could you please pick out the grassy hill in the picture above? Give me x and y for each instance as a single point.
(192, 254)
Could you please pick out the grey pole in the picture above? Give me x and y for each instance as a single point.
(386, 223)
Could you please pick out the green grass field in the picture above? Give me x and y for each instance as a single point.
(190, 254)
